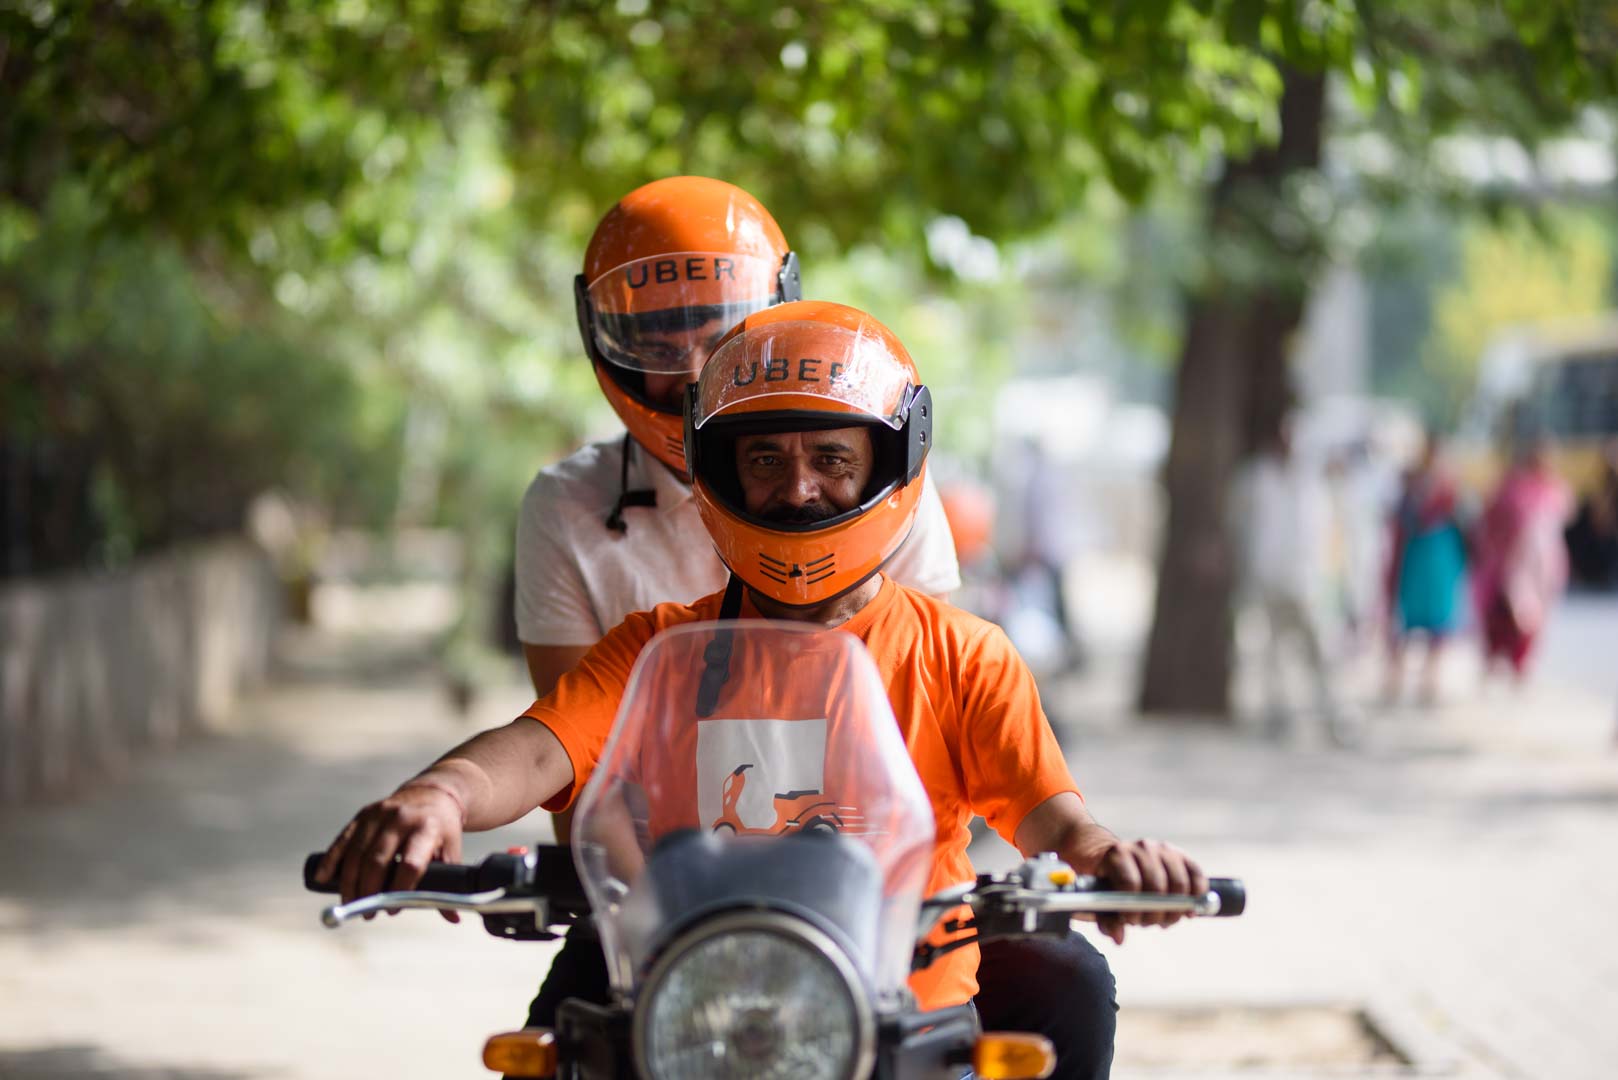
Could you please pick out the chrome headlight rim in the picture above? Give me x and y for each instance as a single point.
(791, 927)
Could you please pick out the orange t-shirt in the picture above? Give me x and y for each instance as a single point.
(966, 705)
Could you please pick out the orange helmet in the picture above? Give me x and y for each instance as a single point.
(809, 366)
(670, 268)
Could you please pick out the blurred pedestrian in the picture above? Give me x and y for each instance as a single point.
(1051, 529)
(1356, 544)
(1428, 559)
(1521, 559)
(1592, 539)
(1281, 516)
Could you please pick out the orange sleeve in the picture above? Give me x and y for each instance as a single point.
(1009, 756)
(582, 707)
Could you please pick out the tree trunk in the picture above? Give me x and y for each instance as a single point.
(1231, 395)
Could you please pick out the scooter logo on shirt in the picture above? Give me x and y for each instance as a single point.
(766, 778)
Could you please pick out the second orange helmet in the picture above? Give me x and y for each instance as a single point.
(670, 268)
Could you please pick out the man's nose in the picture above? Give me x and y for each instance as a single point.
(800, 487)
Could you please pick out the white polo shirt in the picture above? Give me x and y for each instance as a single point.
(577, 579)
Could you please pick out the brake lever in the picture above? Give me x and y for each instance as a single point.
(1079, 903)
(493, 902)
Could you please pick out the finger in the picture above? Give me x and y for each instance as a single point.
(451, 849)
(334, 855)
(1148, 878)
(376, 861)
(1153, 875)
(1178, 870)
(1112, 926)
(1199, 880)
(1178, 880)
(366, 826)
(414, 855)
(1120, 870)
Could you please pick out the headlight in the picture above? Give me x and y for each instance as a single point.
(754, 996)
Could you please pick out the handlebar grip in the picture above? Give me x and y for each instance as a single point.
(454, 878)
(439, 876)
(1232, 895)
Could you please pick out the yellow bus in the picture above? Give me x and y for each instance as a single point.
(1559, 382)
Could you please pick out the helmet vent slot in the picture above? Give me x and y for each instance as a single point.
(813, 572)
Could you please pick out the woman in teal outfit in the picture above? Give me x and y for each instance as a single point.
(1427, 565)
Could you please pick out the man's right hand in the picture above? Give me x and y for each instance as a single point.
(390, 842)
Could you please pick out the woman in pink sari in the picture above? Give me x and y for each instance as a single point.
(1521, 566)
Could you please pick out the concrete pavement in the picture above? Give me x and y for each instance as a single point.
(160, 929)
(1454, 873)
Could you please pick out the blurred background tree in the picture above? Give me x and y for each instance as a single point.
(329, 247)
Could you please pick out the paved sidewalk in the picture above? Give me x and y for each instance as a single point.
(1455, 872)
(160, 931)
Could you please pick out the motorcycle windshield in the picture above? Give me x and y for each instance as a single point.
(783, 782)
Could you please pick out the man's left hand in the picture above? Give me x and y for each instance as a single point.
(1142, 866)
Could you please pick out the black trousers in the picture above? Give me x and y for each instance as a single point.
(1060, 988)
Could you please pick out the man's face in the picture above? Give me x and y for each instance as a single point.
(688, 349)
(804, 476)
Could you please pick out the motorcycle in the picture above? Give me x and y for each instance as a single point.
(753, 848)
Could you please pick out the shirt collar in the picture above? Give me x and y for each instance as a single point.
(645, 471)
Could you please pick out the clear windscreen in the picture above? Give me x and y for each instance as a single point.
(664, 315)
(792, 357)
(800, 757)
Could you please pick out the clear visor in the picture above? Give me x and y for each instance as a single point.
(802, 739)
(851, 368)
(665, 314)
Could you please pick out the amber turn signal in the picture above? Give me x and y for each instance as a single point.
(1007, 1055)
(530, 1052)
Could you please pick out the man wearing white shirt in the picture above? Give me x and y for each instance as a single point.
(611, 529)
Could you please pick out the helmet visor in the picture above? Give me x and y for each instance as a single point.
(794, 366)
(664, 314)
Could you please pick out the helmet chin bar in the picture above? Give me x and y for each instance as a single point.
(840, 593)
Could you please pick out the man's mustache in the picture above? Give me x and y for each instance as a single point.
(799, 515)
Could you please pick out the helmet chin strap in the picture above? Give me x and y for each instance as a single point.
(716, 657)
(645, 497)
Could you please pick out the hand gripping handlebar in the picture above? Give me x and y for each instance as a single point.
(518, 893)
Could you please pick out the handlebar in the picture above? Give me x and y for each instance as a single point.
(1232, 893)
(494, 872)
(520, 894)
(1225, 898)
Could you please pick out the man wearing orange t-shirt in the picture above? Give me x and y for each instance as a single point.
(807, 436)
